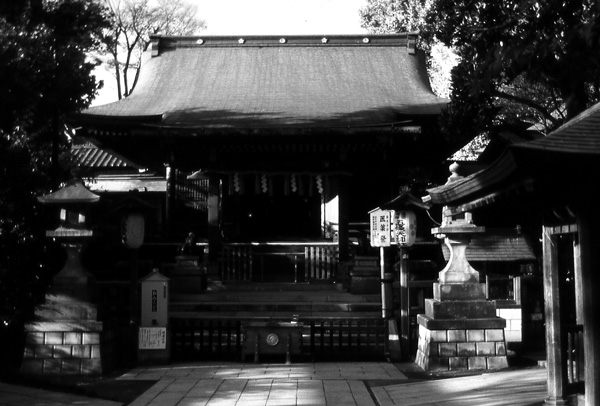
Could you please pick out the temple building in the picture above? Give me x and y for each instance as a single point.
(286, 142)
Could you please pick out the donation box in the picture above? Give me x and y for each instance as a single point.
(153, 335)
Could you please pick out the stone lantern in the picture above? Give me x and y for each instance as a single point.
(73, 201)
(460, 329)
(65, 335)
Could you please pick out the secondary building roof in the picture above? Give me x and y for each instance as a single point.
(555, 168)
(276, 82)
(497, 246)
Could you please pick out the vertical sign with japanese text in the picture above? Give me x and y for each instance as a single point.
(405, 228)
(154, 300)
(381, 235)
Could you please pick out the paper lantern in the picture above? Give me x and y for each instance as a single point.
(405, 228)
(133, 228)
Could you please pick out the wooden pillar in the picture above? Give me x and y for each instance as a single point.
(557, 371)
(589, 241)
(169, 197)
(343, 232)
(404, 304)
(343, 273)
(214, 230)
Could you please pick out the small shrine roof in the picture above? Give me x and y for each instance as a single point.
(276, 82)
(580, 135)
(497, 246)
(72, 192)
(88, 155)
(552, 162)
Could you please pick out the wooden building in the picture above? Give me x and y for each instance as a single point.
(296, 138)
(553, 178)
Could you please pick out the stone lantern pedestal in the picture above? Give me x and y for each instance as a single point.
(460, 329)
(66, 337)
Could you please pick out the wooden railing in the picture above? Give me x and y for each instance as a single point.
(193, 193)
(198, 338)
(321, 338)
(349, 337)
(303, 261)
(320, 262)
(236, 263)
(575, 358)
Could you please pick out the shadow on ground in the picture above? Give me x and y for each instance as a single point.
(101, 387)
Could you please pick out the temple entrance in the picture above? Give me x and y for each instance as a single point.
(278, 218)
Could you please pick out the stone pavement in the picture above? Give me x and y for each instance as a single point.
(319, 384)
(13, 395)
(525, 387)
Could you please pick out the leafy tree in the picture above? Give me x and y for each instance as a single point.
(133, 21)
(394, 16)
(401, 16)
(44, 76)
(521, 62)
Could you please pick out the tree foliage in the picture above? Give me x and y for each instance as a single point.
(45, 75)
(400, 16)
(133, 21)
(521, 62)
(394, 16)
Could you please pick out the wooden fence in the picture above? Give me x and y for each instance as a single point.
(241, 262)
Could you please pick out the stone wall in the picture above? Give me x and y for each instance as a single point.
(514, 323)
(68, 348)
(443, 350)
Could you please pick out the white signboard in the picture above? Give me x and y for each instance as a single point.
(381, 230)
(152, 338)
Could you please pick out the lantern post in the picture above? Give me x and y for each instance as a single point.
(406, 229)
(402, 232)
(132, 237)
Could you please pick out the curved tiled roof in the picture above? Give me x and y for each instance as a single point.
(275, 82)
(497, 246)
(580, 135)
(90, 156)
(563, 157)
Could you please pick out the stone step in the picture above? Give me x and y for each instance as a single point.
(273, 287)
(287, 306)
(304, 317)
(287, 296)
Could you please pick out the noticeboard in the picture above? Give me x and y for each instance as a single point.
(152, 338)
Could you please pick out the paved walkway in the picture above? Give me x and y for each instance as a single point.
(320, 384)
(12, 395)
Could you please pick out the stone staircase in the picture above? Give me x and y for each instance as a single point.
(276, 301)
(333, 321)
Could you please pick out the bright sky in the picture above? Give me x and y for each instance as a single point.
(265, 17)
(277, 17)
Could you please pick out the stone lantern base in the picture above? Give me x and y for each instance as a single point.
(66, 337)
(460, 330)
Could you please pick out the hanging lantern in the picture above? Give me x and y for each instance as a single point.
(320, 184)
(294, 184)
(264, 183)
(405, 228)
(236, 182)
(132, 230)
